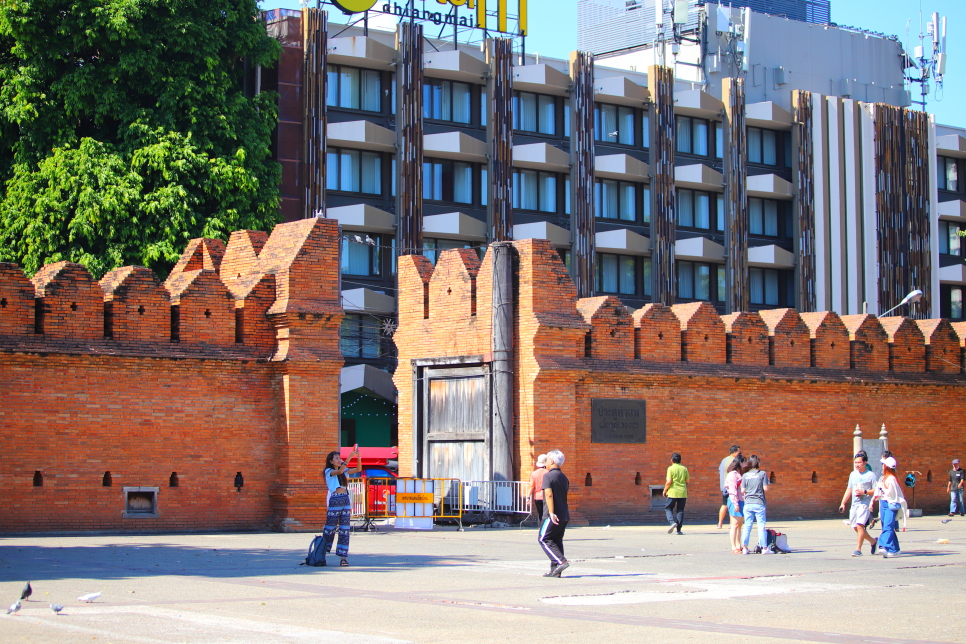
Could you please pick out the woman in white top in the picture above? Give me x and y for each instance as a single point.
(340, 505)
(893, 502)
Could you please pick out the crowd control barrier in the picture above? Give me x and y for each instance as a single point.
(413, 503)
(485, 500)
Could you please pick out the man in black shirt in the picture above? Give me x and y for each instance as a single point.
(957, 480)
(556, 514)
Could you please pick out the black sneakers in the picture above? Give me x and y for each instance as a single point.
(553, 567)
(559, 569)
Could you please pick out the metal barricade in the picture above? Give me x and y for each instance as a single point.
(485, 500)
(357, 493)
(421, 502)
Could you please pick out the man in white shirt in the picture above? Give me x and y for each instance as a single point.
(722, 474)
(860, 489)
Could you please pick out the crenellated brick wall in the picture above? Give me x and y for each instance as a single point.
(789, 387)
(231, 365)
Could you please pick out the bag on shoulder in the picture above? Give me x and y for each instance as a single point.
(316, 556)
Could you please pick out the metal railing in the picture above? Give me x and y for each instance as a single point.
(486, 500)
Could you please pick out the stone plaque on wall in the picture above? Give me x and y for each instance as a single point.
(617, 420)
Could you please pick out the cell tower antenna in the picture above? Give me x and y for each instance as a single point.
(927, 62)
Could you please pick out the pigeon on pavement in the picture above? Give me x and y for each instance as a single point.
(27, 591)
(56, 608)
(89, 597)
(14, 607)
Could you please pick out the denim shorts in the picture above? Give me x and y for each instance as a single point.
(736, 512)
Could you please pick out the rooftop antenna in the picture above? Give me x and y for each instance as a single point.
(928, 63)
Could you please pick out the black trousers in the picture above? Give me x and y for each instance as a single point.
(538, 508)
(674, 508)
(551, 540)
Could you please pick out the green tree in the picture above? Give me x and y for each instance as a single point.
(125, 129)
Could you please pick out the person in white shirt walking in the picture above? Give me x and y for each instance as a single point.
(889, 491)
(860, 489)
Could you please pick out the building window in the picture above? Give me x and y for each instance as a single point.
(353, 88)
(615, 199)
(950, 243)
(718, 141)
(433, 247)
(700, 281)
(447, 100)
(566, 118)
(361, 258)
(354, 171)
(447, 181)
(613, 124)
(951, 301)
(534, 113)
(695, 209)
(768, 147)
(360, 336)
(763, 217)
(692, 135)
(646, 130)
(770, 287)
(533, 190)
(616, 274)
(949, 174)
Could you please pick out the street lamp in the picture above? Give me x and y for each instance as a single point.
(914, 296)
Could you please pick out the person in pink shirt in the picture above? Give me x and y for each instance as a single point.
(536, 486)
(736, 500)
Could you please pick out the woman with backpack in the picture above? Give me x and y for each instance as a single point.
(893, 500)
(736, 500)
(340, 505)
(754, 484)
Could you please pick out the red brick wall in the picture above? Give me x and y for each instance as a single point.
(263, 402)
(799, 419)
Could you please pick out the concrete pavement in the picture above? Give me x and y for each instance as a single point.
(627, 583)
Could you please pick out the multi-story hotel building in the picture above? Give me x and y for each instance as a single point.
(758, 162)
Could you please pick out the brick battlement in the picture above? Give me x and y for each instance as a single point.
(229, 366)
(788, 386)
(603, 329)
(215, 303)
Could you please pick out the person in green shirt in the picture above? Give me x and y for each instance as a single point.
(676, 493)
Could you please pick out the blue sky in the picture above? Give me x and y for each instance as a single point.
(553, 32)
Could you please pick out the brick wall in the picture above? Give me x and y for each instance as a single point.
(232, 365)
(768, 398)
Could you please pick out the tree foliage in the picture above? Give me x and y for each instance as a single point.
(125, 129)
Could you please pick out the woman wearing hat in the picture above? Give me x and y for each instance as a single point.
(536, 486)
(893, 500)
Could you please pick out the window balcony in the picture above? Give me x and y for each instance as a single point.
(770, 256)
(455, 225)
(953, 210)
(454, 145)
(951, 145)
(619, 90)
(542, 79)
(768, 115)
(366, 300)
(362, 135)
(559, 237)
(622, 242)
(955, 274)
(455, 65)
(541, 156)
(770, 186)
(699, 177)
(361, 51)
(363, 217)
(698, 249)
(697, 102)
(621, 166)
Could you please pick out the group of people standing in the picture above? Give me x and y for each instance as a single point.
(743, 487)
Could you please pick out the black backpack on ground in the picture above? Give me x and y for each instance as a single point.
(316, 556)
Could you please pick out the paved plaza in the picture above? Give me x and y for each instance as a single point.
(626, 584)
